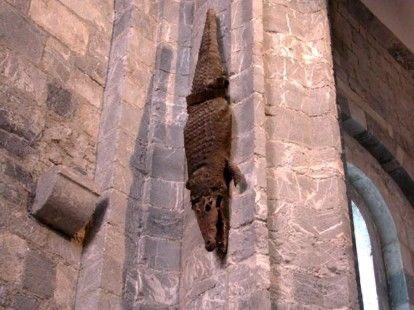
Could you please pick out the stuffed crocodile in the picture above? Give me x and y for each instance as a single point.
(207, 141)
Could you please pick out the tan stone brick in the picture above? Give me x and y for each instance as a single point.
(89, 119)
(21, 74)
(55, 45)
(99, 13)
(85, 87)
(60, 22)
(65, 286)
(13, 251)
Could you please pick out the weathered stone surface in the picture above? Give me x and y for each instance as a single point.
(64, 294)
(168, 163)
(164, 223)
(19, 173)
(159, 287)
(21, 74)
(85, 87)
(19, 115)
(39, 275)
(21, 5)
(56, 60)
(14, 251)
(161, 254)
(61, 22)
(26, 303)
(64, 200)
(60, 100)
(68, 251)
(15, 145)
(4, 296)
(101, 14)
(168, 195)
(19, 34)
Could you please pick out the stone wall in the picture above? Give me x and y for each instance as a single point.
(101, 89)
(374, 77)
(375, 91)
(133, 255)
(310, 237)
(53, 62)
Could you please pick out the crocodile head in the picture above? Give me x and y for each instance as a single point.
(206, 209)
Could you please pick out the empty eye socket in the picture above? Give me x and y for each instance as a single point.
(207, 206)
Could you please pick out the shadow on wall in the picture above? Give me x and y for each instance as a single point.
(140, 164)
(154, 219)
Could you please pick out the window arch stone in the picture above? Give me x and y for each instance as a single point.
(387, 231)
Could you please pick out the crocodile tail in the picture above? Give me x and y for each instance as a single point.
(209, 72)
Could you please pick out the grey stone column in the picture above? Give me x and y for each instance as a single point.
(310, 238)
(242, 280)
(122, 156)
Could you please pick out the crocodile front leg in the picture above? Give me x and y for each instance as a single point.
(237, 176)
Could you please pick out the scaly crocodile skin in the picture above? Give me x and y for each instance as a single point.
(207, 142)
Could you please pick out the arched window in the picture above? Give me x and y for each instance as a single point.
(365, 258)
(371, 216)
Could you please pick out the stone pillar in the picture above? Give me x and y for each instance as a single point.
(121, 159)
(242, 280)
(132, 258)
(310, 237)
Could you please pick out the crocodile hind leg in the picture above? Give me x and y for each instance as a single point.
(223, 227)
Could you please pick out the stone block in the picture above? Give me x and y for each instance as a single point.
(19, 173)
(4, 296)
(99, 299)
(70, 29)
(159, 254)
(19, 34)
(243, 208)
(167, 195)
(21, 5)
(39, 275)
(25, 303)
(88, 118)
(64, 200)
(60, 101)
(56, 60)
(164, 223)
(171, 135)
(64, 294)
(85, 87)
(159, 287)
(257, 300)
(187, 13)
(14, 144)
(244, 147)
(242, 243)
(69, 251)
(94, 62)
(99, 14)
(244, 116)
(242, 11)
(168, 163)
(13, 251)
(241, 85)
(20, 114)
(22, 75)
